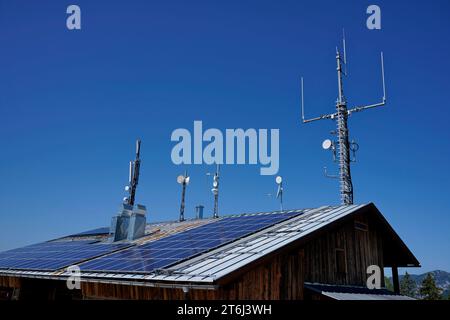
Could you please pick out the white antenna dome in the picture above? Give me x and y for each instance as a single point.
(278, 179)
(180, 179)
(327, 144)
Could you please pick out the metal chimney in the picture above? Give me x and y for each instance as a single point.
(120, 223)
(199, 211)
(138, 221)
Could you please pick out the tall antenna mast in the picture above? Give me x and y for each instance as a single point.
(279, 181)
(133, 176)
(184, 181)
(215, 191)
(341, 116)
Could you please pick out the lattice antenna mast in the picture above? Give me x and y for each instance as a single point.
(342, 146)
(133, 176)
(215, 191)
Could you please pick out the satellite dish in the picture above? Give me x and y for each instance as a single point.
(125, 199)
(278, 179)
(215, 184)
(187, 179)
(180, 179)
(127, 188)
(327, 144)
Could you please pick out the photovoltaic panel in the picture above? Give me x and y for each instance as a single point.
(54, 255)
(175, 248)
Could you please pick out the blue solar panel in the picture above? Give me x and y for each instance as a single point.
(173, 249)
(51, 256)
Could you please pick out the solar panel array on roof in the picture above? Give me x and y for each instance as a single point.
(51, 256)
(224, 260)
(173, 249)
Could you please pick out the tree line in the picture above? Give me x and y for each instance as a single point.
(428, 289)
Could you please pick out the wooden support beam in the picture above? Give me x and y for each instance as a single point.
(395, 280)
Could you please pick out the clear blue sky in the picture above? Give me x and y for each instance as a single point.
(73, 102)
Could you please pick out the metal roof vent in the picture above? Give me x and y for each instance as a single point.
(199, 211)
(120, 223)
(138, 221)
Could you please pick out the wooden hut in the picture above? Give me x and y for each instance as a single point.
(306, 256)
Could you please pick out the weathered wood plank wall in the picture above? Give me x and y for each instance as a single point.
(361, 248)
(281, 278)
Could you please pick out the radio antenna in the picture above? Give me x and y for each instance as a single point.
(184, 181)
(279, 181)
(215, 191)
(133, 177)
(344, 147)
(345, 51)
